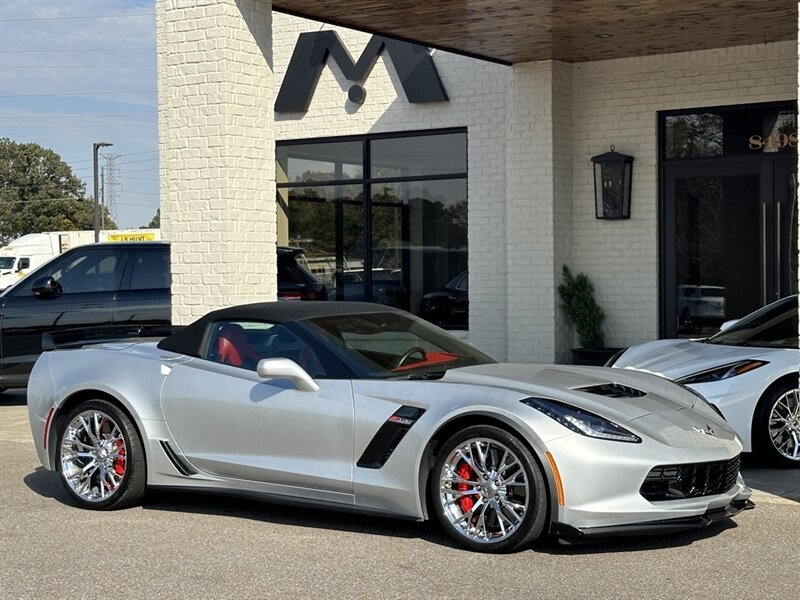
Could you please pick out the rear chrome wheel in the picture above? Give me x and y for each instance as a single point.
(488, 490)
(100, 457)
(776, 425)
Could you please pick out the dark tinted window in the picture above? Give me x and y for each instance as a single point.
(774, 326)
(81, 271)
(150, 270)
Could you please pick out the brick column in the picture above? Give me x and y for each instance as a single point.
(539, 209)
(217, 146)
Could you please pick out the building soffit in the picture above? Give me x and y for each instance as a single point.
(515, 31)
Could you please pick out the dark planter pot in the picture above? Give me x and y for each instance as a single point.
(592, 357)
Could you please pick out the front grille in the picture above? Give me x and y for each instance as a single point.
(674, 482)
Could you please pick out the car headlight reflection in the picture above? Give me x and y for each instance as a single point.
(723, 372)
(581, 421)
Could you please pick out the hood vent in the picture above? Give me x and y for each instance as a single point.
(612, 390)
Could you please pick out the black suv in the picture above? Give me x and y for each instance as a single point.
(89, 286)
(108, 286)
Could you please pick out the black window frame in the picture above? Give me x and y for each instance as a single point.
(367, 181)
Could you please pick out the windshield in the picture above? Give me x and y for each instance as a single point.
(7, 262)
(774, 326)
(392, 345)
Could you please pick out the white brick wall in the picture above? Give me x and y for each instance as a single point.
(615, 102)
(216, 152)
(531, 132)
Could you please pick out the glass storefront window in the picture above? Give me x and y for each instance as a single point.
(330, 161)
(328, 223)
(730, 131)
(394, 233)
(419, 236)
(419, 155)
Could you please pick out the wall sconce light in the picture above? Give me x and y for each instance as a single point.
(612, 185)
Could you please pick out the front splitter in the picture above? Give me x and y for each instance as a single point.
(568, 533)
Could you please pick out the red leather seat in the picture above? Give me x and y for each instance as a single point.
(233, 348)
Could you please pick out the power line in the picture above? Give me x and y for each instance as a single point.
(117, 66)
(79, 94)
(80, 116)
(62, 50)
(103, 125)
(81, 17)
(140, 193)
(74, 162)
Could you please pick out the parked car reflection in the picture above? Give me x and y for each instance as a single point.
(387, 287)
(448, 307)
(699, 307)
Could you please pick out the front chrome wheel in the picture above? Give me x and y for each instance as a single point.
(784, 425)
(484, 490)
(487, 490)
(93, 455)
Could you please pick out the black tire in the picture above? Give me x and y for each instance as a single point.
(130, 489)
(764, 446)
(532, 523)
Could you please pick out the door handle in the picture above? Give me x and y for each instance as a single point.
(91, 306)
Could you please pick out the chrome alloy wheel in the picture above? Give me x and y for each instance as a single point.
(93, 455)
(784, 424)
(484, 491)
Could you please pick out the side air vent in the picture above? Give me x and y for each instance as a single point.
(388, 437)
(613, 390)
(180, 464)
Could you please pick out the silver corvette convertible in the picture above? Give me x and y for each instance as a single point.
(364, 407)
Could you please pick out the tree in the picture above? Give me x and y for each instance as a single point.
(39, 192)
(155, 222)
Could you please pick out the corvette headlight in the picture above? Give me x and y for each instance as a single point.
(723, 372)
(581, 421)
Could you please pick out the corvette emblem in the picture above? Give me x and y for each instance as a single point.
(705, 430)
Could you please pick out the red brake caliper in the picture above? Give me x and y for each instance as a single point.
(119, 463)
(464, 471)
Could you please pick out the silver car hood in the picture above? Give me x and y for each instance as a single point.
(565, 383)
(678, 358)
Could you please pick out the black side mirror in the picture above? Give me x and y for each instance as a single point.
(47, 287)
(24, 263)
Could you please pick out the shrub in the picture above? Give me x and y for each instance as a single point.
(581, 308)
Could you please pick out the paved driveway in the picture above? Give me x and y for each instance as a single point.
(196, 546)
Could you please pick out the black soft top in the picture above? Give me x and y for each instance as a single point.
(189, 339)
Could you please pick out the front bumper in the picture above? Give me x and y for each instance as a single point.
(570, 533)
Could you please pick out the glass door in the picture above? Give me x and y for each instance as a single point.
(786, 250)
(730, 241)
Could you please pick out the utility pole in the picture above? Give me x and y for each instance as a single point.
(102, 197)
(95, 147)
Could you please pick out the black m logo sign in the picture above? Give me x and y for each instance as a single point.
(413, 64)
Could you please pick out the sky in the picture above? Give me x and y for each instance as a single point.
(75, 72)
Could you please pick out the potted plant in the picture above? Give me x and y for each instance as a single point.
(582, 310)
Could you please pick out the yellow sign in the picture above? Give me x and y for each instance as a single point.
(131, 237)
